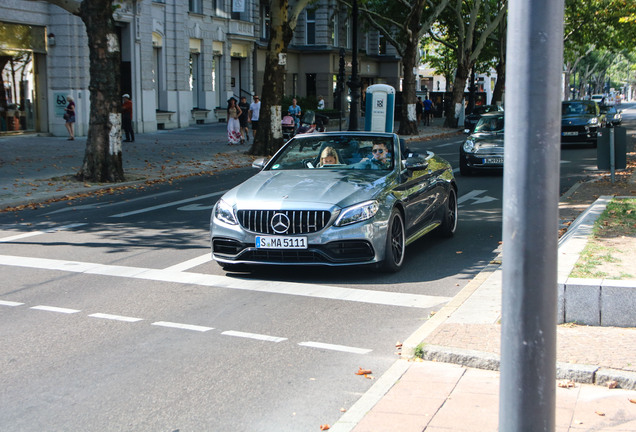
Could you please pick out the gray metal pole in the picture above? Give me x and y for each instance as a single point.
(530, 215)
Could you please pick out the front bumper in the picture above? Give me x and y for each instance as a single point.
(485, 161)
(355, 244)
(579, 134)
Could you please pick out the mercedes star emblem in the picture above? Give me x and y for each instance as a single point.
(280, 223)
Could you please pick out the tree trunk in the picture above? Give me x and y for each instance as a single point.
(500, 85)
(461, 76)
(103, 157)
(408, 124)
(269, 136)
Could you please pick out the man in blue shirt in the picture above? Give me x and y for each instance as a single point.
(294, 111)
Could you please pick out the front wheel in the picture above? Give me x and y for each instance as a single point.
(449, 219)
(395, 243)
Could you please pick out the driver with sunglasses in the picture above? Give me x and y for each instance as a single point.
(380, 159)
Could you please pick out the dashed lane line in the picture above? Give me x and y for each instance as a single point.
(170, 204)
(115, 317)
(55, 309)
(198, 328)
(10, 303)
(332, 347)
(36, 233)
(253, 336)
(182, 326)
(384, 298)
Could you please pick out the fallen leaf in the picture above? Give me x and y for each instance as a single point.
(398, 344)
(632, 401)
(566, 383)
(612, 384)
(343, 410)
(601, 413)
(324, 427)
(363, 371)
(459, 252)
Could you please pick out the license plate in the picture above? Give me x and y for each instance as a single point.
(280, 242)
(493, 160)
(570, 133)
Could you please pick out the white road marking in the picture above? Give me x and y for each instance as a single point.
(194, 262)
(277, 287)
(332, 347)
(109, 204)
(182, 326)
(253, 336)
(55, 309)
(115, 317)
(449, 144)
(174, 203)
(10, 303)
(35, 233)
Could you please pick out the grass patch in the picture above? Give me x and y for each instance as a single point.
(617, 221)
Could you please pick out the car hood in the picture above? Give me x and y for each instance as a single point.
(485, 140)
(575, 120)
(300, 189)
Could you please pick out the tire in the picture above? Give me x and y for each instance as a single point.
(464, 169)
(449, 219)
(395, 244)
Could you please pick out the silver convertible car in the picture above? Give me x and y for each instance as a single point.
(335, 199)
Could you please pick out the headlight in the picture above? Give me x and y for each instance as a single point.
(592, 121)
(357, 213)
(225, 213)
(469, 146)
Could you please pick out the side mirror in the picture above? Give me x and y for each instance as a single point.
(259, 163)
(415, 163)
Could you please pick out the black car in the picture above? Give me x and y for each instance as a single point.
(484, 148)
(471, 119)
(612, 115)
(580, 121)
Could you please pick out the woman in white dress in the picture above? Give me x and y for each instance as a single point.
(233, 124)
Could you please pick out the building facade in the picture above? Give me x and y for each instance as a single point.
(181, 60)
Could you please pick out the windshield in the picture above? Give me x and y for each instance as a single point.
(340, 152)
(578, 108)
(490, 124)
(486, 109)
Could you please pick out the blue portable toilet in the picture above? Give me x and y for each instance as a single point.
(380, 107)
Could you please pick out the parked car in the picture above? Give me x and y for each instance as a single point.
(612, 115)
(362, 204)
(484, 148)
(599, 99)
(472, 119)
(580, 121)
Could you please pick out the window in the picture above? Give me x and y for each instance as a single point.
(335, 28)
(238, 9)
(265, 21)
(347, 28)
(381, 44)
(311, 84)
(195, 6)
(310, 27)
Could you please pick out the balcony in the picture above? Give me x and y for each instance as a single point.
(241, 28)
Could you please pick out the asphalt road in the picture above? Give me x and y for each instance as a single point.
(113, 316)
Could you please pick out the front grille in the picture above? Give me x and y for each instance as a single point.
(295, 221)
(284, 256)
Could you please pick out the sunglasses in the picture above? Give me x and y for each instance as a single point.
(378, 151)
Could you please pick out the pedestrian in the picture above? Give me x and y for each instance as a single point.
(321, 103)
(233, 124)
(245, 131)
(254, 114)
(69, 117)
(428, 111)
(126, 118)
(295, 111)
(419, 110)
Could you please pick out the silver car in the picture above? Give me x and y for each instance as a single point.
(335, 199)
